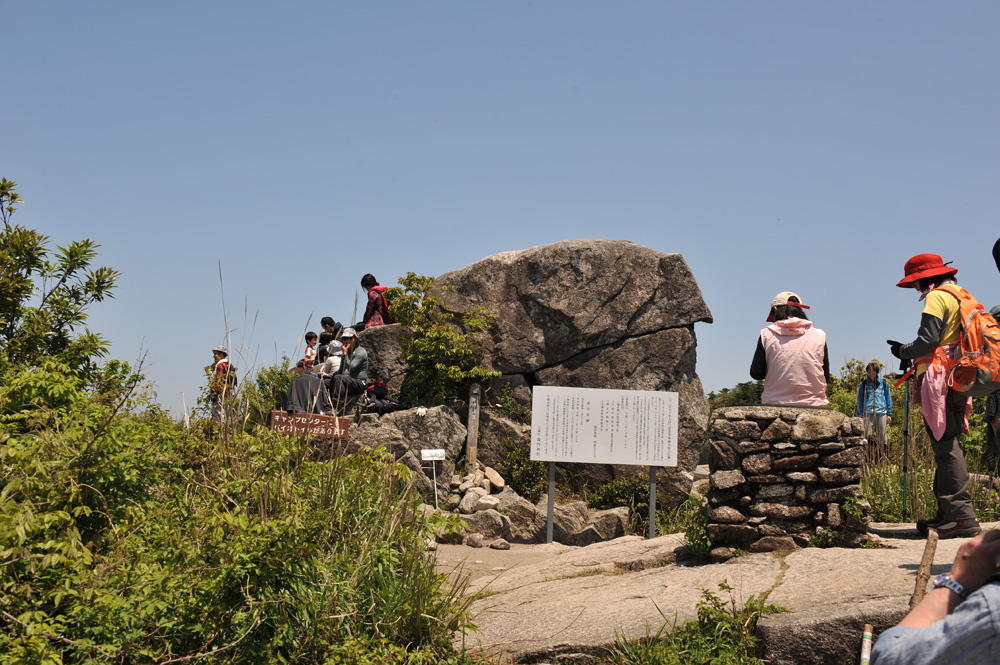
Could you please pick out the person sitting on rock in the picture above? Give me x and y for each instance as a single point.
(352, 377)
(377, 311)
(331, 363)
(323, 350)
(331, 326)
(306, 391)
(792, 356)
(958, 621)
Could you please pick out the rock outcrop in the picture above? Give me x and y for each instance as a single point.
(595, 314)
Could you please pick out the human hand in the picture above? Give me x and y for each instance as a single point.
(976, 560)
(894, 347)
(888, 420)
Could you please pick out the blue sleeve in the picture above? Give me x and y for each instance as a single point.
(888, 397)
(861, 399)
(968, 636)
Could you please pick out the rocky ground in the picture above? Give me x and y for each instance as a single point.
(561, 604)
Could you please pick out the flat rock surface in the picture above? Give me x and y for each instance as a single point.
(541, 601)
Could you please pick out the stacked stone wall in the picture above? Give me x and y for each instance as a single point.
(781, 475)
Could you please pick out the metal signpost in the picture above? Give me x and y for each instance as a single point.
(599, 426)
(433, 456)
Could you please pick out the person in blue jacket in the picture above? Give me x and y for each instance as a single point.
(875, 406)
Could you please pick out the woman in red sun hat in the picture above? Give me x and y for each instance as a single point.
(945, 409)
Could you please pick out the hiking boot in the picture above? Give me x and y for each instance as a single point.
(923, 525)
(958, 529)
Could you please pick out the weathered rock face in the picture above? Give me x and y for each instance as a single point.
(595, 314)
(406, 433)
(382, 345)
(555, 301)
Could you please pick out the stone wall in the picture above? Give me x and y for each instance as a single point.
(781, 475)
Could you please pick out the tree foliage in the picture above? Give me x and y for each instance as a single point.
(44, 296)
(748, 392)
(442, 357)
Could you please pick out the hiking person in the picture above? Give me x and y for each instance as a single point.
(310, 355)
(377, 310)
(875, 406)
(221, 383)
(957, 621)
(945, 409)
(991, 451)
(331, 326)
(352, 375)
(330, 364)
(306, 392)
(791, 357)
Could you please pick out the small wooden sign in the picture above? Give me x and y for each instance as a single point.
(310, 424)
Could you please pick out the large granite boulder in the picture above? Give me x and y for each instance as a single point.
(382, 345)
(595, 314)
(555, 301)
(406, 433)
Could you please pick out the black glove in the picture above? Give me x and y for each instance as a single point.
(894, 347)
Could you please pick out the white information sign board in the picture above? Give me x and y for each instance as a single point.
(432, 454)
(604, 426)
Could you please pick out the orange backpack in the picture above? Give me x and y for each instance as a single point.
(975, 369)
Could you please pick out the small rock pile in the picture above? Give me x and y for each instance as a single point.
(781, 475)
(496, 515)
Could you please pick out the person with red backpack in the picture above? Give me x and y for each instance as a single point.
(377, 311)
(945, 408)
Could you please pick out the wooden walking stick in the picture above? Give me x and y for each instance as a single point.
(924, 572)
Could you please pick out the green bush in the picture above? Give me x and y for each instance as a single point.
(723, 634)
(527, 477)
(629, 491)
(506, 404)
(127, 538)
(690, 519)
(441, 356)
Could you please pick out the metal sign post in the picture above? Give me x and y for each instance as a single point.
(652, 501)
(433, 456)
(600, 426)
(552, 502)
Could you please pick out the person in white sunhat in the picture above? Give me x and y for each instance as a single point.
(792, 357)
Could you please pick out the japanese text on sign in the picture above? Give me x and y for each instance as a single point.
(604, 426)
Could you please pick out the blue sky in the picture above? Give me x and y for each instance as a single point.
(811, 147)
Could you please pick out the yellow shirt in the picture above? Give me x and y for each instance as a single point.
(944, 306)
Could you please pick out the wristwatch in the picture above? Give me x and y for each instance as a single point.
(948, 583)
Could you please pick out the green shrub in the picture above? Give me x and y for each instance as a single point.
(690, 519)
(527, 477)
(507, 405)
(723, 634)
(629, 491)
(441, 357)
(128, 538)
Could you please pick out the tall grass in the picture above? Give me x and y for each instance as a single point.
(882, 474)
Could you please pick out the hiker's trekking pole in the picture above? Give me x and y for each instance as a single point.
(905, 365)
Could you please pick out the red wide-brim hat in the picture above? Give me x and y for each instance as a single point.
(922, 266)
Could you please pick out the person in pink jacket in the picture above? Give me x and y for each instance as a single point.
(792, 356)
(377, 311)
